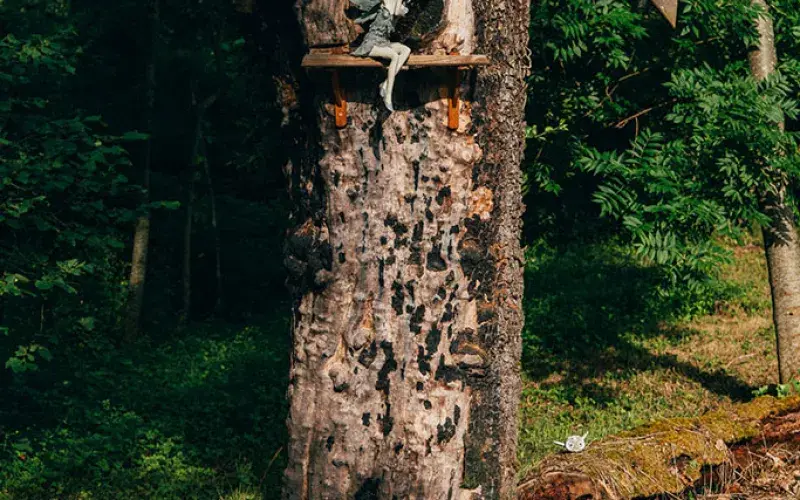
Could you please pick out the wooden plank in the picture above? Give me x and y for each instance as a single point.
(669, 9)
(415, 61)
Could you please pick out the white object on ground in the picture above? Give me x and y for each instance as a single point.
(574, 444)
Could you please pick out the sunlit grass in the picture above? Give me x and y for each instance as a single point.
(646, 363)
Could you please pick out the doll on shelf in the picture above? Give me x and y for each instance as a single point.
(383, 15)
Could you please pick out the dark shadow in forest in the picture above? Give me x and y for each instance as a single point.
(585, 306)
(176, 419)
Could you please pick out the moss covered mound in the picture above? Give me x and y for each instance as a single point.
(667, 456)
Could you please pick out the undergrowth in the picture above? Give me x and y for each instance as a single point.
(200, 416)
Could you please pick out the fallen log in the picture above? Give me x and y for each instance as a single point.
(669, 456)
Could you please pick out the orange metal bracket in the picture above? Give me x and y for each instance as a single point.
(336, 58)
(339, 101)
(453, 101)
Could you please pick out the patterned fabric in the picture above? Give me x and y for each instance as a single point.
(378, 35)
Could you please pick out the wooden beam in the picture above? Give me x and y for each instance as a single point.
(415, 61)
(669, 9)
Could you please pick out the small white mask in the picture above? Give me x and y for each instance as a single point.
(574, 444)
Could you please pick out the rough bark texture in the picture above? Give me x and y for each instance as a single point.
(668, 457)
(138, 274)
(783, 261)
(325, 23)
(141, 236)
(781, 241)
(502, 34)
(407, 266)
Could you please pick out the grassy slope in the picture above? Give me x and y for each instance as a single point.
(611, 353)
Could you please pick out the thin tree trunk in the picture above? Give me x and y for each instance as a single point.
(215, 228)
(408, 268)
(197, 141)
(141, 236)
(186, 274)
(781, 241)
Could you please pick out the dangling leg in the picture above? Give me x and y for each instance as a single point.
(403, 53)
(388, 85)
(394, 69)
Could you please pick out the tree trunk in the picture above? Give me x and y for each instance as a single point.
(215, 228)
(781, 241)
(141, 236)
(197, 157)
(186, 274)
(408, 269)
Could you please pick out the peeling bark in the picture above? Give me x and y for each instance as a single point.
(781, 242)
(405, 377)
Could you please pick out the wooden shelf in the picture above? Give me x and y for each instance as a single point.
(334, 61)
(454, 64)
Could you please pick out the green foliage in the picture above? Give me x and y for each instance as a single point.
(678, 141)
(26, 356)
(63, 193)
(672, 197)
(195, 413)
(792, 388)
(196, 417)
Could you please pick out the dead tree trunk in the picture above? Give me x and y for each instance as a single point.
(781, 241)
(408, 271)
(141, 236)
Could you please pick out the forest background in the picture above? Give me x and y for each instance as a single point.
(646, 288)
